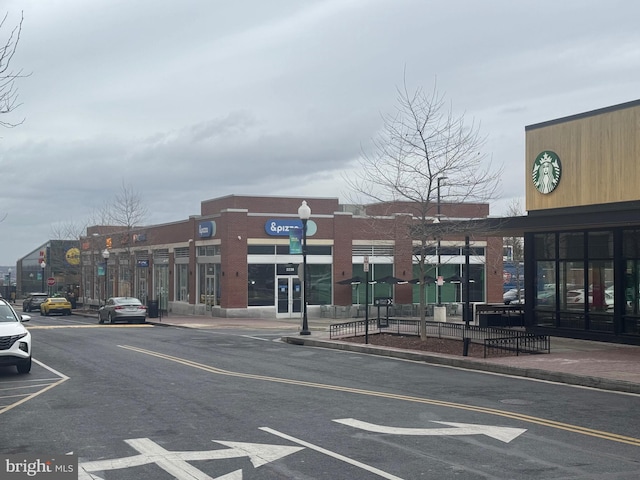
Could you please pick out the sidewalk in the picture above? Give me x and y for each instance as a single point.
(607, 366)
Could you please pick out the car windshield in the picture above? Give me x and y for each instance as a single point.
(7, 315)
(58, 300)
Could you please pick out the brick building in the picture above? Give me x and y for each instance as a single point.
(234, 258)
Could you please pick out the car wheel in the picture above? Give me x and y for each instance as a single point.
(68, 312)
(100, 320)
(110, 319)
(24, 366)
(26, 309)
(41, 314)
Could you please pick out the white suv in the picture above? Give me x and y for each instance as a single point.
(15, 340)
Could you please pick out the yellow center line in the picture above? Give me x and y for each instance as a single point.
(124, 325)
(490, 411)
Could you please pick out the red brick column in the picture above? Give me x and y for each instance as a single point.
(342, 257)
(403, 258)
(232, 228)
(495, 267)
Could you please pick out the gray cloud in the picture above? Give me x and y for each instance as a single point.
(190, 100)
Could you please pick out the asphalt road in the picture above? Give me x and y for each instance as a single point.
(155, 402)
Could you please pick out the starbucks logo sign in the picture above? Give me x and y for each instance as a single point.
(546, 172)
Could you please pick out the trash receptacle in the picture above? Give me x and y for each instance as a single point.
(490, 319)
(152, 308)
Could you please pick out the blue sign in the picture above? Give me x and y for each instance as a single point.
(206, 229)
(280, 228)
(143, 263)
(139, 237)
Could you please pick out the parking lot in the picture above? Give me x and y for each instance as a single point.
(16, 389)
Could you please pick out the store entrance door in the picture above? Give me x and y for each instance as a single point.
(210, 288)
(289, 297)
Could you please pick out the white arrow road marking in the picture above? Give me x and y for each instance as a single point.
(335, 455)
(504, 434)
(175, 463)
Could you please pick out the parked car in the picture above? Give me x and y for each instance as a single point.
(33, 301)
(577, 296)
(118, 309)
(513, 294)
(15, 340)
(55, 305)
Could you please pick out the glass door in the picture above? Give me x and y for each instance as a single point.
(289, 297)
(161, 283)
(210, 288)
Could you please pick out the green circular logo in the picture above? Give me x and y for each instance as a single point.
(546, 172)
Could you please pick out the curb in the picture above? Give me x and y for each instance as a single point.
(454, 361)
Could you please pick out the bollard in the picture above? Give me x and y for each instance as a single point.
(465, 347)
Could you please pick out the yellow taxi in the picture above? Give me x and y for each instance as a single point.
(55, 305)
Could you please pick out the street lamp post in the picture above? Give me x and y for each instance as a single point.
(43, 265)
(304, 212)
(105, 255)
(440, 179)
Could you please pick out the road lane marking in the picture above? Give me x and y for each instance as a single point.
(62, 378)
(176, 463)
(407, 398)
(105, 325)
(335, 455)
(504, 434)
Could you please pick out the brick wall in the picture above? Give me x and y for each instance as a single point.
(233, 245)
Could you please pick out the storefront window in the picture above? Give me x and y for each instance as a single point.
(476, 283)
(571, 245)
(320, 285)
(600, 244)
(545, 297)
(208, 285)
(572, 289)
(182, 283)
(545, 246)
(124, 277)
(429, 288)
(631, 319)
(601, 286)
(376, 290)
(261, 287)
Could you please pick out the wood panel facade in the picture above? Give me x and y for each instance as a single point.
(599, 153)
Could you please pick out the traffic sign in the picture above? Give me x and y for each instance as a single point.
(51, 281)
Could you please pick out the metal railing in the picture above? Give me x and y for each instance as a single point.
(523, 343)
(506, 341)
(412, 327)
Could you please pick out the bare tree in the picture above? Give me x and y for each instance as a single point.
(127, 212)
(74, 229)
(68, 230)
(421, 142)
(8, 90)
(8, 77)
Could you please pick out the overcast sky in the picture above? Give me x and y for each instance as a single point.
(188, 100)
